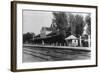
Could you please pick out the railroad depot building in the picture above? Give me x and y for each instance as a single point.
(49, 37)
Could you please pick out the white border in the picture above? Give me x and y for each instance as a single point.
(34, 65)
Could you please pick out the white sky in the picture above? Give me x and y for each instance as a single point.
(34, 20)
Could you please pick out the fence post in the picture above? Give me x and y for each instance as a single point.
(42, 42)
(80, 41)
(89, 41)
(60, 44)
(64, 44)
(56, 43)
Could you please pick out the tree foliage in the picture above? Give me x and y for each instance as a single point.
(28, 37)
(72, 23)
(79, 25)
(88, 21)
(61, 23)
(68, 23)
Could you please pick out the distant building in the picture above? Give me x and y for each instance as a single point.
(85, 30)
(49, 37)
(45, 31)
(86, 37)
(72, 41)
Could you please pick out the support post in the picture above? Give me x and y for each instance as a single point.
(80, 41)
(89, 41)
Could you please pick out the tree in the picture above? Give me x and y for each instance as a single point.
(68, 23)
(28, 37)
(79, 24)
(88, 21)
(76, 24)
(60, 22)
(72, 23)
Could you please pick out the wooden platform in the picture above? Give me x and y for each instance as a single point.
(59, 47)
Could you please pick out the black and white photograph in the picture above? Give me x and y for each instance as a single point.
(53, 36)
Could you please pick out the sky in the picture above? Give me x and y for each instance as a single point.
(33, 21)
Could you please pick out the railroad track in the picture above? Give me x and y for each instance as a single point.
(62, 51)
(55, 55)
(45, 55)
